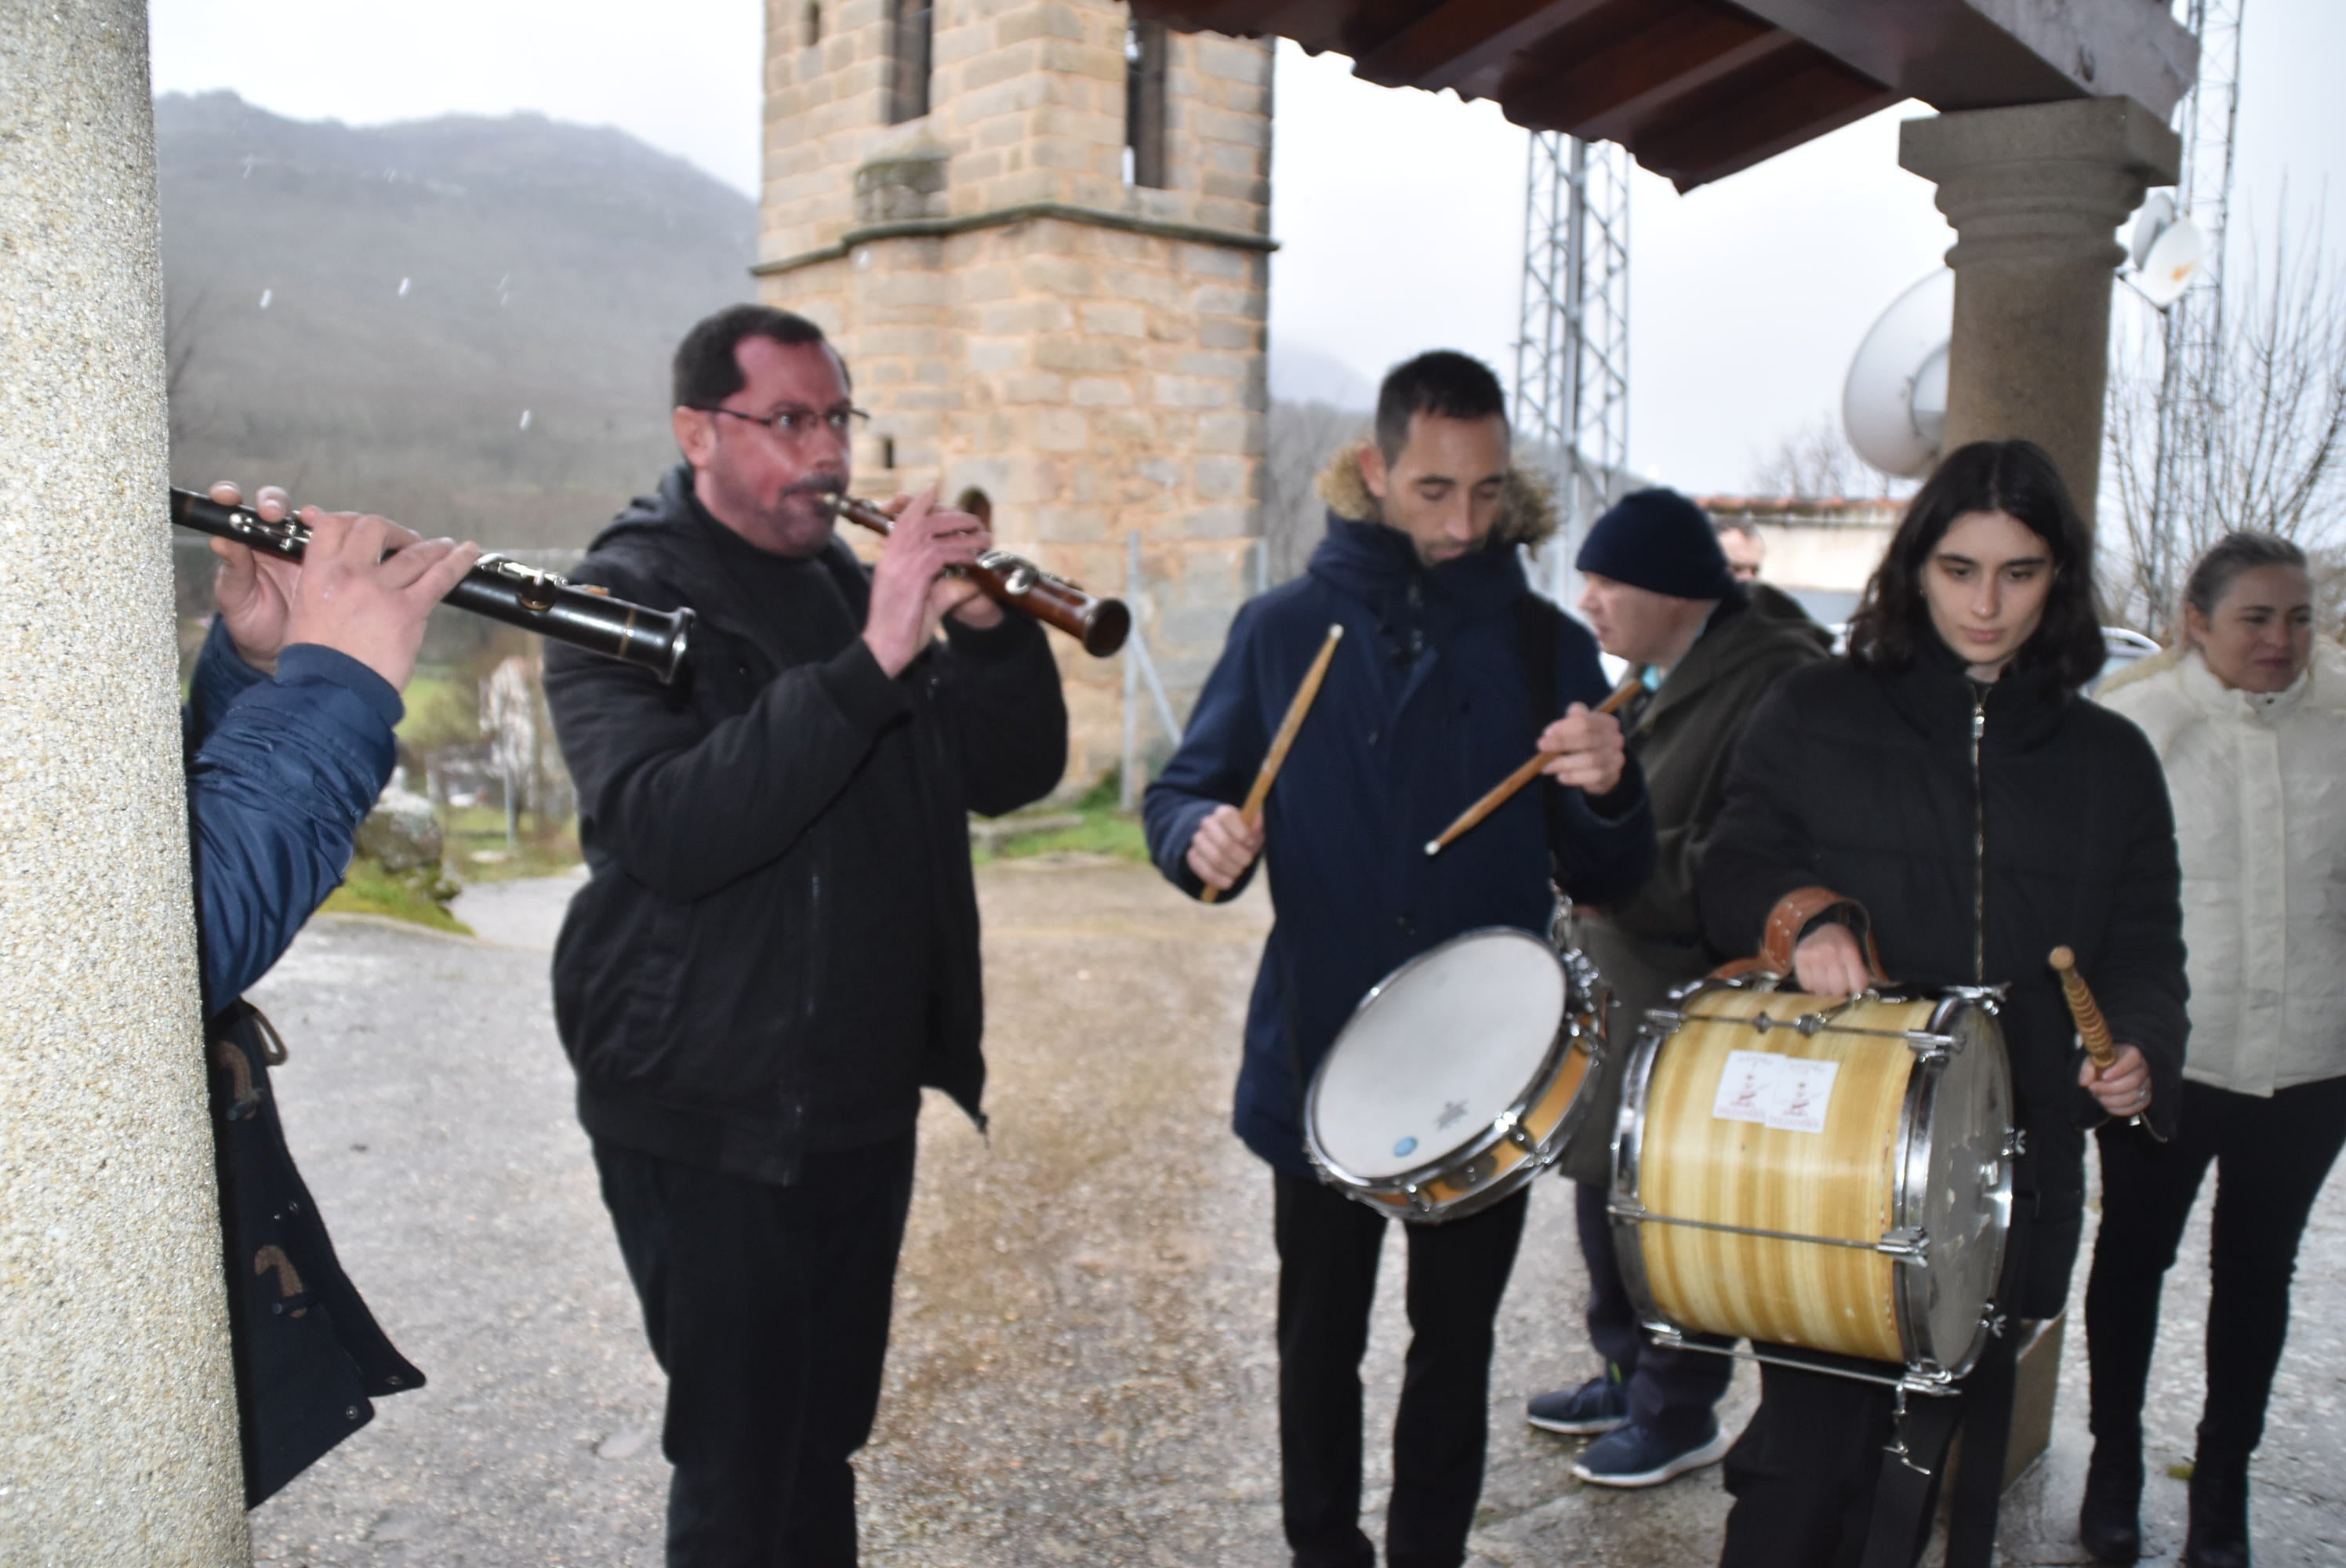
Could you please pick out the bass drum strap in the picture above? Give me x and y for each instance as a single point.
(1913, 1468)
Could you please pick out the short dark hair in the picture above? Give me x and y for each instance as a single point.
(2019, 479)
(2212, 574)
(1443, 382)
(705, 372)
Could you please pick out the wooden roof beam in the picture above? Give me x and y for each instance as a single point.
(1983, 54)
(1607, 95)
(1461, 38)
(1753, 126)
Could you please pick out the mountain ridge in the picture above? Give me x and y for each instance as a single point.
(463, 321)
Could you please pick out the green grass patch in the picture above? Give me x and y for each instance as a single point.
(1101, 833)
(1104, 830)
(477, 850)
(371, 889)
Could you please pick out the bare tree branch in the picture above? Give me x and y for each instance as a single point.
(1816, 463)
(1298, 440)
(2255, 428)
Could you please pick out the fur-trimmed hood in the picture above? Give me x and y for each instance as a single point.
(1526, 507)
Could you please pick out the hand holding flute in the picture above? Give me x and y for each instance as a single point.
(1099, 625)
(346, 593)
(912, 587)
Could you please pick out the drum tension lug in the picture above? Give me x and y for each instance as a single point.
(1417, 1199)
(2016, 1142)
(1510, 1126)
(1907, 1244)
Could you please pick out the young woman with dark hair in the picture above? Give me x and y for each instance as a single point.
(1944, 786)
(2248, 713)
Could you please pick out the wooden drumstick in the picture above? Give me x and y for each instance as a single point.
(1276, 757)
(2092, 1027)
(1530, 770)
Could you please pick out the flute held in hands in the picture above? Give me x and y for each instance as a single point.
(498, 587)
(1100, 624)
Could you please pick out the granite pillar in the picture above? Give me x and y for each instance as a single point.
(2035, 194)
(118, 1416)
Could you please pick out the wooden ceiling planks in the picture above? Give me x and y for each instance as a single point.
(1695, 90)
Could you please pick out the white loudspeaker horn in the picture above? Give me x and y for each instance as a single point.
(1894, 403)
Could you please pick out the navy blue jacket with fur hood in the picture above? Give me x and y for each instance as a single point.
(1427, 703)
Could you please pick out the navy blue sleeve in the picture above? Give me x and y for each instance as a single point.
(1603, 845)
(277, 787)
(1214, 764)
(221, 676)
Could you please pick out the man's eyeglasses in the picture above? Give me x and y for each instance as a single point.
(793, 423)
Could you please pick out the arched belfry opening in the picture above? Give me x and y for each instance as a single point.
(1039, 233)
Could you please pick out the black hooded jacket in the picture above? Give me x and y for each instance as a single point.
(1863, 781)
(739, 829)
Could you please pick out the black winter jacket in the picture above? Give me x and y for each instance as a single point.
(710, 813)
(1864, 781)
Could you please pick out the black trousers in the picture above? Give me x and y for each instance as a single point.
(768, 1308)
(1327, 1246)
(1671, 1393)
(1807, 1474)
(2271, 1156)
(1803, 1473)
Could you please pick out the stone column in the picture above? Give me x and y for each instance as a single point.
(2035, 194)
(118, 1416)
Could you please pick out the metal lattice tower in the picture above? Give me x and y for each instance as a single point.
(1572, 356)
(2194, 328)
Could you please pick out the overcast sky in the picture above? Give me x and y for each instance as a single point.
(1401, 213)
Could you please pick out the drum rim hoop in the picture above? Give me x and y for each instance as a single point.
(1495, 1130)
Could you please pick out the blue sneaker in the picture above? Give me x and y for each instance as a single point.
(1634, 1455)
(1599, 1405)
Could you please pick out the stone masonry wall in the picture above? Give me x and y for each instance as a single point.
(1096, 381)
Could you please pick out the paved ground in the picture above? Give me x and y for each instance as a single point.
(1081, 1368)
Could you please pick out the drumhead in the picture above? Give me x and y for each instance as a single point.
(1965, 1205)
(1438, 1050)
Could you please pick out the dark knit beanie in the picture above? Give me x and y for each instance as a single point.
(1658, 540)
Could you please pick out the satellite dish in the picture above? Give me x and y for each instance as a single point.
(2173, 260)
(1894, 403)
(2156, 214)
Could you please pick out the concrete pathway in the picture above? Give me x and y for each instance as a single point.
(1081, 1368)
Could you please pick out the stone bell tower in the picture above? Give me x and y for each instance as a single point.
(1038, 233)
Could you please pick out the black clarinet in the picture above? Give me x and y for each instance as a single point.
(498, 587)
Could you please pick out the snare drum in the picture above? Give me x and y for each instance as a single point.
(1458, 1077)
(1829, 1174)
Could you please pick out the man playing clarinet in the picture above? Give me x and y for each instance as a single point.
(1450, 673)
(776, 947)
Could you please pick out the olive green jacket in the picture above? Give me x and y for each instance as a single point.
(1682, 739)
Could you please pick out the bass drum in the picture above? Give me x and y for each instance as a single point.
(1823, 1173)
(1458, 1077)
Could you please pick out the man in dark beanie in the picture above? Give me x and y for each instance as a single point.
(1661, 595)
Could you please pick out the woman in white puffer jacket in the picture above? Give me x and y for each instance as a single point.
(2248, 713)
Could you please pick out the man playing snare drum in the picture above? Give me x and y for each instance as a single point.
(1662, 595)
(1450, 673)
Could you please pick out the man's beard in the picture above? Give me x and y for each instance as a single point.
(797, 517)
